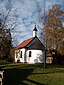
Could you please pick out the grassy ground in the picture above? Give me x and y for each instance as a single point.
(24, 74)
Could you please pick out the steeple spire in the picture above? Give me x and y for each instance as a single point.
(35, 32)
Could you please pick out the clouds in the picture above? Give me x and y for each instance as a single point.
(25, 13)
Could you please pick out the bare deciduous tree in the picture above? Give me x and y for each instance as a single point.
(7, 24)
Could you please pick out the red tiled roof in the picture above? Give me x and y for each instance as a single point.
(24, 43)
(49, 54)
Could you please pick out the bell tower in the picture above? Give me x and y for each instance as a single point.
(35, 32)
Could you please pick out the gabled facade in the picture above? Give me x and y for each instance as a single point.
(30, 50)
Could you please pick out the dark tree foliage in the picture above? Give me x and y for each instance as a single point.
(5, 42)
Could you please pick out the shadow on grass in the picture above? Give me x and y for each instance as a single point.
(34, 82)
(17, 76)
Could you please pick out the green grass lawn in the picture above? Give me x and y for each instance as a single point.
(24, 74)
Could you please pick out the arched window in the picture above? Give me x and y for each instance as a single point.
(29, 53)
(21, 54)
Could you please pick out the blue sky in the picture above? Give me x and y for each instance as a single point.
(26, 13)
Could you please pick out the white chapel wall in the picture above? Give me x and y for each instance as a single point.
(18, 56)
(36, 57)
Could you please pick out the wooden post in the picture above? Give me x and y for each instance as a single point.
(1, 77)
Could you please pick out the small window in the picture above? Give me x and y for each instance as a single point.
(16, 54)
(21, 54)
(29, 53)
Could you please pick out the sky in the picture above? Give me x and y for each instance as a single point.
(25, 14)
